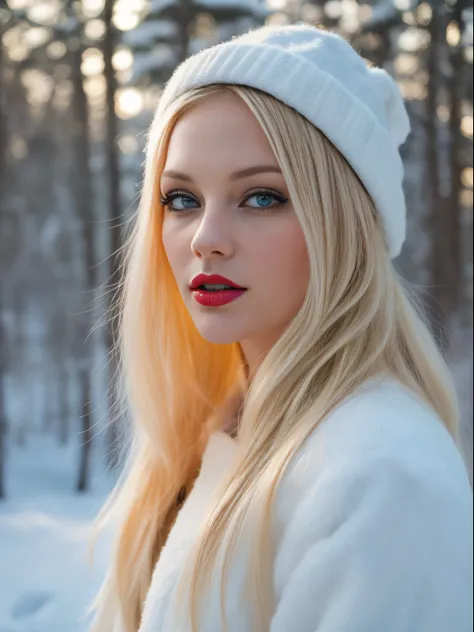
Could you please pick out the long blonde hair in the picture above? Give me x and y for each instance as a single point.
(357, 322)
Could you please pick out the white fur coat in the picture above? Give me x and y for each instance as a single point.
(373, 524)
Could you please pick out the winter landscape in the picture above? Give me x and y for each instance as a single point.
(79, 81)
(46, 580)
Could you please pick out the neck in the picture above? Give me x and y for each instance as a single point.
(254, 350)
(230, 413)
(253, 353)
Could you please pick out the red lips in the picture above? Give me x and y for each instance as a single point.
(215, 298)
(215, 279)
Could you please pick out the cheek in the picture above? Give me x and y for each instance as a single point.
(287, 262)
(174, 244)
(167, 239)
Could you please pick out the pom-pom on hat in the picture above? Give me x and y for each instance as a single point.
(358, 107)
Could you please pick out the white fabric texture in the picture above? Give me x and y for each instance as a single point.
(372, 524)
(318, 73)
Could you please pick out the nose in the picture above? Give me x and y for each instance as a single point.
(213, 236)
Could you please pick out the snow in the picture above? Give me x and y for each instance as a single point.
(149, 31)
(46, 580)
(383, 12)
(151, 61)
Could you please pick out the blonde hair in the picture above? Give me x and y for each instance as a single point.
(357, 322)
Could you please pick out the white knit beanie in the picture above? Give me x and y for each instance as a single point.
(359, 108)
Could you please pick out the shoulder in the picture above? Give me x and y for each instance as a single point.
(380, 460)
(373, 524)
(383, 424)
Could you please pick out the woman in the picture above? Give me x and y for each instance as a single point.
(294, 463)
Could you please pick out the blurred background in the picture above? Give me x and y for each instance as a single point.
(79, 82)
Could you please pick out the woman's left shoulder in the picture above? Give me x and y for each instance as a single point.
(384, 420)
(374, 522)
(383, 443)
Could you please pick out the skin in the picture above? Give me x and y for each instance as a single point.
(222, 225)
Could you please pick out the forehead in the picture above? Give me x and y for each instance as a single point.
(216, 132)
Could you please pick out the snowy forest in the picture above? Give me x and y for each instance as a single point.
(79, 82)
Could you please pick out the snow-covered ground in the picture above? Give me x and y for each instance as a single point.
(46, 580)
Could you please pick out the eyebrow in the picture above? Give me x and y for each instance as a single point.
(237, 175)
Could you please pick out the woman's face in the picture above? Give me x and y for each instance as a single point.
(227, 212)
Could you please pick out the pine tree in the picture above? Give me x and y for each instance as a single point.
(173, 29)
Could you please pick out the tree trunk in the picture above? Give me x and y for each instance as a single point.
(83, 192)
(3, 165)
(184, 25)
(83, 481)
(113, 186)
(3, 420)
(455, 90)
(437, 303)
(63, 406)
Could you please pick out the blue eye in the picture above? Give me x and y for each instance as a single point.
(177, 201)
(262, 201)
(265, 200)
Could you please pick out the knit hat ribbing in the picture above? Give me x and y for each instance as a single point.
(358, 107)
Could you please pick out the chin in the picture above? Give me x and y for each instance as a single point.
(218, 329)
(218, 336)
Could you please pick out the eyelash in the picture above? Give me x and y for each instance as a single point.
(172, 195)
(165, 200)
